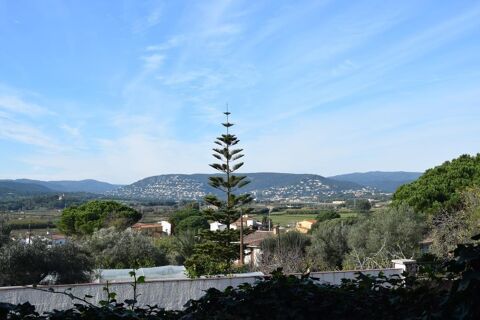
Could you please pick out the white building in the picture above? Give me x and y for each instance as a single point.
(166, 227)
(214, 226)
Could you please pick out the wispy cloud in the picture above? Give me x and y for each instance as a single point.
(17, 131)
(16, 104)
(152, 17)
(152, 62)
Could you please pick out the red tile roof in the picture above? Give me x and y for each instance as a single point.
(255, 238)
(146, 226)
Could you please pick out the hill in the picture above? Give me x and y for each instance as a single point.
(264, 186)
(89, 185)
(381, 180)
(14, 188)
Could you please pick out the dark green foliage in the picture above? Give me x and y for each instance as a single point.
(214, 253)
(182, 214)
(188, 218)
(108, 310)
(440, 188)
(192, 223)
(4, 233)
(124, 249)
(97, 214)
(23, 264)
(327, 215)
(360, 205)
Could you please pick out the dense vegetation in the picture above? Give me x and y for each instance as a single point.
(368, 241)
(440, 188)
(188, 218)
(112, 249)
(452, 294)
(97, 214)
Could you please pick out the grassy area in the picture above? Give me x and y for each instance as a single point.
(23, 233)
(289, 220)
(345, 215)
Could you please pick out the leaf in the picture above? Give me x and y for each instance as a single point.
(237, 166)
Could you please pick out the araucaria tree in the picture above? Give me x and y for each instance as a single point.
(217, 250)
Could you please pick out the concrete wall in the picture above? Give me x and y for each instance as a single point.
(169, 294)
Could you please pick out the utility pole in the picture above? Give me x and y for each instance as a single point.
(241, 239)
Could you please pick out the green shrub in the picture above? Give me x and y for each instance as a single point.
(124, 249)
(327, 215)
(25, 264)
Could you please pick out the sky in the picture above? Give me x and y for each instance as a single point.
(121, 90)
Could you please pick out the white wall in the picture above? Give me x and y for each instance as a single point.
(169, 294)
(166, 227)
(335, 277)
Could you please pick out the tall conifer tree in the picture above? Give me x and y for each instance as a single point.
(217, 250)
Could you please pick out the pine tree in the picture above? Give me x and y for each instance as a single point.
(217, 250)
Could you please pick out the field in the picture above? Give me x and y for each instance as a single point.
(289, 220)
(38, 221)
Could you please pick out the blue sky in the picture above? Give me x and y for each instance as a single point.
(118, 91)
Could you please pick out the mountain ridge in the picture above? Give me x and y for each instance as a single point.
(387, 181)
(52, 186)
(263, 186)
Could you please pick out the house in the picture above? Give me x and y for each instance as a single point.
(252, 243)
(305, 225)
(150, 229)
(215, 226)
(166, 227)
(248, 222)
